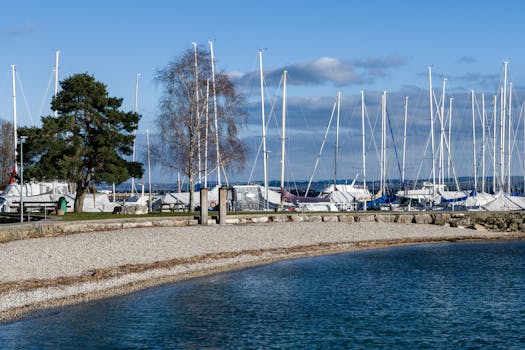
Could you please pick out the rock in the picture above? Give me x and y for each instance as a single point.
(405, 219)
(423, 218)
(366, 218)
(346, 218)
(315, 218)
(385, 218)
(479, 227)
(330, 218)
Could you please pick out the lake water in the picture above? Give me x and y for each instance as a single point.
(441, 296)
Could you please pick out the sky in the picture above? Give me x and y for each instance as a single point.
(326, 46)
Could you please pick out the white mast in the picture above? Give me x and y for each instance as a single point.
(57, 54)
(265, 153)
(337, 138)
(482, 142)
(509, 156)
(494, 114)
(501, 142)
(449, 163)
(199, 163)
(503, 120)
(431, 92)
(206, 133)
(136, 108)
(215, 118)
(404, 141)
(149, 172)
(363, 141)
(442, 136)
(363, 137)
(283, 139)
(13, 72)
(474, 142)
(383, 144)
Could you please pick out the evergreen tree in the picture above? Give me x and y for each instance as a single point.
(87, 142)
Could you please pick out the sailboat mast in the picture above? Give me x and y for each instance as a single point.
(136, 108)
(206, 133)
(474, 141)
(149, 172)
(494, 132)
(404, 141)
(509, 156)
(215, 118)
(503, 119)
(449, 163)
(57, 54)
(383, 143)
(337, 138)
(363, 137)
(283, 138)
(265, 153)
(482, 142)
(15, 127)
(196, 67)
(431, 92)
(442, 136)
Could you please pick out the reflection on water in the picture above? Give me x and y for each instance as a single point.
(462, 295)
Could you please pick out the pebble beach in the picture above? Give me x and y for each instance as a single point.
(46, 272)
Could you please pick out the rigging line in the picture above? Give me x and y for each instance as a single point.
(41, 111)
(393, 141)
(25, 99)
(261, 142)
(321, 150)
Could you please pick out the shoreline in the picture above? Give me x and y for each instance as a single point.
(174, 254)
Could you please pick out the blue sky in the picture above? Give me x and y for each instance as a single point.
(327, 46)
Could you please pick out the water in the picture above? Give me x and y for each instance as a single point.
(446, 296)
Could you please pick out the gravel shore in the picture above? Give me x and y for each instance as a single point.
(46, 272)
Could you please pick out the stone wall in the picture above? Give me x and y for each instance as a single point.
(482, 221)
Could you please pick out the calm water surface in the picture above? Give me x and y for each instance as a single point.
(446, 296)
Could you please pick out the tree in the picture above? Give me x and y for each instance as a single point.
(182, 119)
(7, 151)
(87, 142)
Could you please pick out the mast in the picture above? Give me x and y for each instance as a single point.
(449, 163)
(494, 130)
(265, 153)
(283, 139)
(363, 142)
(509, 155)
(57, 54)
(199, 163)
(206, 133)
(501, 142)
(363, 137)
(474, 141)
(215, 118)
(442, 136)
(503, 120)
(404, 142)
(482, 142)
(383, 144)
(337, 139)
(136, 108)
(149, 172)
(432, 128)
(13, 73)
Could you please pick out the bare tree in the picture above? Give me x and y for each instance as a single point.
(7, 151)
(183, 124)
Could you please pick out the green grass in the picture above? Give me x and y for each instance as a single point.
(102, 216)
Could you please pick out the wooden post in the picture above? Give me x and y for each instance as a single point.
(204, 206)
(223, 192)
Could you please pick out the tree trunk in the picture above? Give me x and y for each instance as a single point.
(79, 198)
